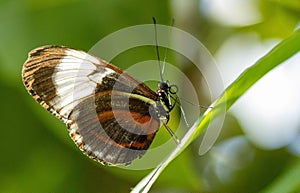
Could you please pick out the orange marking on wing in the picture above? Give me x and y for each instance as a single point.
(137, 120)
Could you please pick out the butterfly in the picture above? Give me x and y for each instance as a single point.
(111, 116)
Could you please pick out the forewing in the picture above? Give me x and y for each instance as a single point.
(111, 115)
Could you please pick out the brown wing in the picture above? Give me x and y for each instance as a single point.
(112, 117)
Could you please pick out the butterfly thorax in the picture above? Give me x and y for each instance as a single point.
(163, 94)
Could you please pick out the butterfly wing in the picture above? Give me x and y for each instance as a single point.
(111, 116)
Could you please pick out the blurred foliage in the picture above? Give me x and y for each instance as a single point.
(36, 153)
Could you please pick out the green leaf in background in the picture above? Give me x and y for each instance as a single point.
(276, 56)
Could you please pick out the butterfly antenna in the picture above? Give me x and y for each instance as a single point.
(157, 51)
(166, 52)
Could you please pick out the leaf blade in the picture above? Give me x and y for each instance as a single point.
(280, 53)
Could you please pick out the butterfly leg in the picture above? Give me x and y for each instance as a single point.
(171, 132)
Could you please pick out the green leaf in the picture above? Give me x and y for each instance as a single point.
(283, 51)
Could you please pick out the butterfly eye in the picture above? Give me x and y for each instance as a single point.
(173, 89)
(163, 86)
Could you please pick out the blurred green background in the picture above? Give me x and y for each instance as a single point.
(37, 154)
